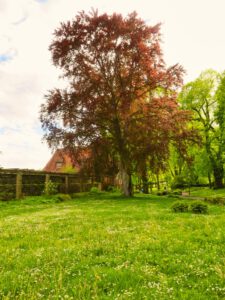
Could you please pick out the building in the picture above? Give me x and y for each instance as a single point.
(60, 162)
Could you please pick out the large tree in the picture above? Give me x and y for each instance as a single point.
(205, 96)
(119, 90)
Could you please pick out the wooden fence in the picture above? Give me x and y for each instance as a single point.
(18, 183)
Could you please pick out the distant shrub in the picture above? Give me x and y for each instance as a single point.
(51, 188)
(162, 193)
(179, 182)
(171, 195)
(199, 207)
(94, 190)
(179, 206)
(63, 197)
(176, 192)
(215, 200)
(109, 188)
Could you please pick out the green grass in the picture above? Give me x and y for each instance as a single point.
(108, 247)
(206, 192)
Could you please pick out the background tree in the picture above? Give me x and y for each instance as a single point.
(115, 70)
(206, 98)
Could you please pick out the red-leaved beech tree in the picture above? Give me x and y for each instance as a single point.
(119, 90)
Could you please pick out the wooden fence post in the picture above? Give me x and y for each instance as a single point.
(100, 186)
(81, 185)
(47, 179)
(19, 185)
(66, 184)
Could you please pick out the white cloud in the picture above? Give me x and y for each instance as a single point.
(192, 33)
(21, 147)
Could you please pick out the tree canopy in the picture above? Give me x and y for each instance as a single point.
(205, 96)
(120, 92)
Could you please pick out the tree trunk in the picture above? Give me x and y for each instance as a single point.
(151, 187)
(145, 183)
(217, 164)
(218, 177)
(126, 187)
(210, 181)
(157, 181)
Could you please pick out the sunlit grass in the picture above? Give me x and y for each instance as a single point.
(207, 192)
(108, 247)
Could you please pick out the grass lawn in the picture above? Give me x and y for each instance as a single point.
(206, 192)
(108, 247)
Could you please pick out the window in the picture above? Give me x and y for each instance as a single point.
(59, 164)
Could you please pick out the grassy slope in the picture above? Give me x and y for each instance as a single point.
(107, 247)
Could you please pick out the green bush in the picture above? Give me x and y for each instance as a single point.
(179, 206)
(109, 188)
(179, 182)
(106, 186)
(171, 195)
(94, 190)
(51, 188)
(177, 192)
(162, 193)
(199, 207)
(63, 197)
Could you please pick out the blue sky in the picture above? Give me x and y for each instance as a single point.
(192, 35)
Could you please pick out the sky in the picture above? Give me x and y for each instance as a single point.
(193, 35)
